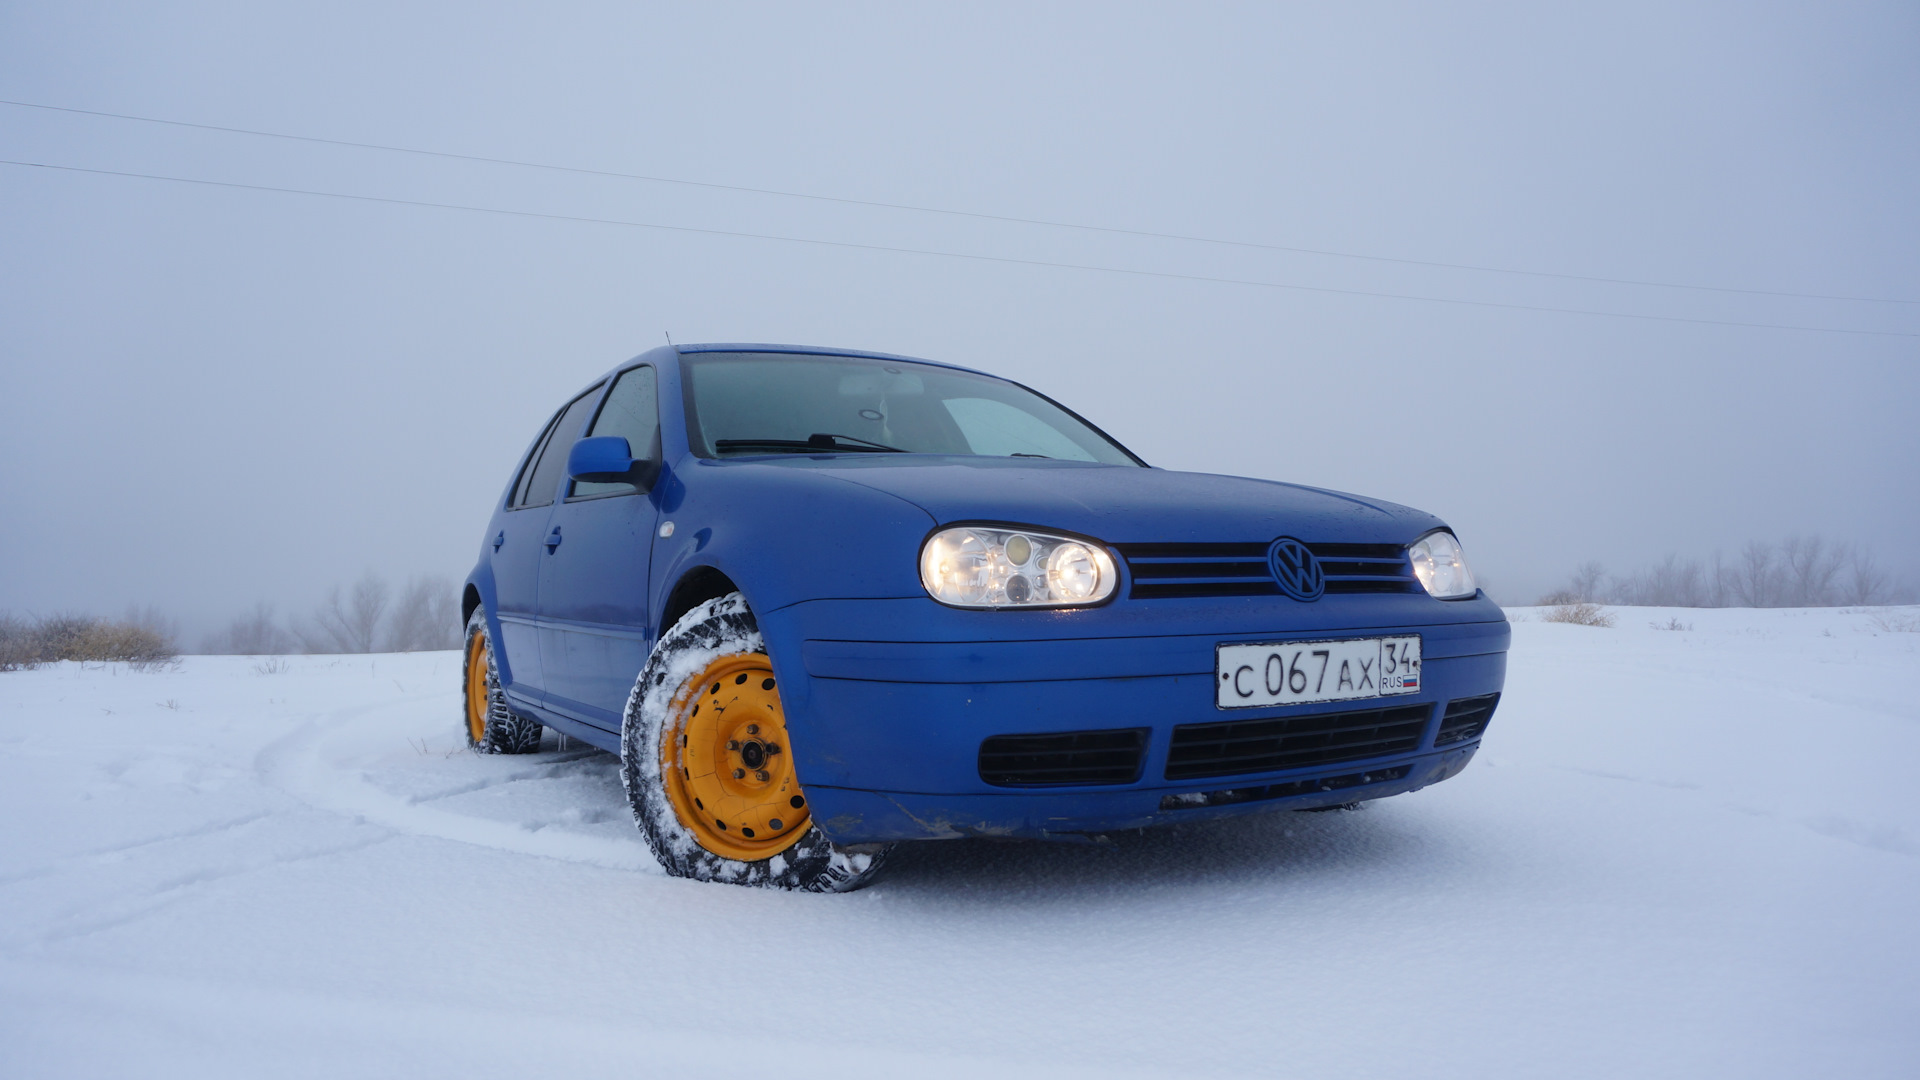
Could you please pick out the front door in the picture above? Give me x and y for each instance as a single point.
(595, 629)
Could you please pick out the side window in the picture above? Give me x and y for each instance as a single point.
(524, 480)
(632, 411)
(552, 462)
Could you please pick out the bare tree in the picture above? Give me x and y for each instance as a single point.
(349, 625)
(446, 616)
(1809, 569)
(255, 633)
(1719, 581)
(155, 622)
(1675, 582)
(1865, 583)
(1688, 583)
(1805, 571)
(425, 617)
(1585, 585)
(1756, 579)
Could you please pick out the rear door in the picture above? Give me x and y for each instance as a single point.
(518, 545)
(595, 626)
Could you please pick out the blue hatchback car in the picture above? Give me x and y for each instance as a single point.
(823, 601)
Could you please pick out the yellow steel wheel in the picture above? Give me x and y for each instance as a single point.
(477, 661)
(726, 764)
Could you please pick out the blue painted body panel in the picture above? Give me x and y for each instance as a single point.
(889, 694)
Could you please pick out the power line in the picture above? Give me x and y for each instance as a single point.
(1004, 218)
(1004, 259)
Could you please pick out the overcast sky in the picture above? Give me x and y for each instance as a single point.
(215, 395)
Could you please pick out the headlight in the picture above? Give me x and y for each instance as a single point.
(1441, 566)
(991, 568)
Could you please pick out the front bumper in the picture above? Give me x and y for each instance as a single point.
(888, 729)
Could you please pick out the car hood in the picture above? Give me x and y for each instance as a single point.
(1124, 505)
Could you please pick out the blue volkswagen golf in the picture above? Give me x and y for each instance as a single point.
(823, 601)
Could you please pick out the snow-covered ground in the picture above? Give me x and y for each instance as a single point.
(1682, 852)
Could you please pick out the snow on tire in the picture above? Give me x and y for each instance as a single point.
(491, 727)
(713, 632)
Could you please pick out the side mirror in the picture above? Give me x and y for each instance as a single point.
(607, 459)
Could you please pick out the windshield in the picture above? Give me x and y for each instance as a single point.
(772, 403)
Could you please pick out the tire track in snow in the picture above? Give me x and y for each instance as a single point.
(320, 765)
(113, 850)
(170, 892)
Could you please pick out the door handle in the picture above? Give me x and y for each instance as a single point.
(500, 539)
(553, 539)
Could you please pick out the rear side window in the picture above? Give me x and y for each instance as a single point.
(632, 411)
(521, 481)
(551, 461)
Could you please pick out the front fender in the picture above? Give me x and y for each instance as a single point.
(785, 536)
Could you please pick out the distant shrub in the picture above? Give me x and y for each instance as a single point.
(54, 638)
(1801, 571)
(1578, 614)
(18, 649)
(1671, 624)
(64, 636)
(141, 646)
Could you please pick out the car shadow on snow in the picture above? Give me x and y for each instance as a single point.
(1373, 838)
(1256, 848)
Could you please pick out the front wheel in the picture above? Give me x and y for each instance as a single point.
(708, 763)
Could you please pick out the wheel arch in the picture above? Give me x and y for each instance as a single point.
(696, 586)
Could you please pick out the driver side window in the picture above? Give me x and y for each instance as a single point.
(632, 411)
(551, 459)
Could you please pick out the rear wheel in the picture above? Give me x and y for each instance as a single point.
(708, 763)
(491, 727)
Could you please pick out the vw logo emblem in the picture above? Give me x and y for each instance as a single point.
(1295, 568)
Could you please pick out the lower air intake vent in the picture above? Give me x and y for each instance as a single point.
(1281, 791)
(1063, 757)
(1466, 719)
(1294, 742)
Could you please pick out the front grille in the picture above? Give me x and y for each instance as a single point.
(1466, 719)
(1179, 570)
(1293, 742)
(1281, 791)
(1063, 757)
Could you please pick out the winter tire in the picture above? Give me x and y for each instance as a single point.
(708, 767)
(491, 727)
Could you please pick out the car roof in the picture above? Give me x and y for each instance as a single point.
(816, 350)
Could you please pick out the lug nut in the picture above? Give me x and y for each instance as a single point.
(761, 776)
(753, 729)
(772, 749)
(733, 744)
(739, 774)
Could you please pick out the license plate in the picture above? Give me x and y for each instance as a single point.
(1302, 672)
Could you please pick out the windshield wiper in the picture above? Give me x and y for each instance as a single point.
(813, 443)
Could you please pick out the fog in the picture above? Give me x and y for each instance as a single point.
(219, 395)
